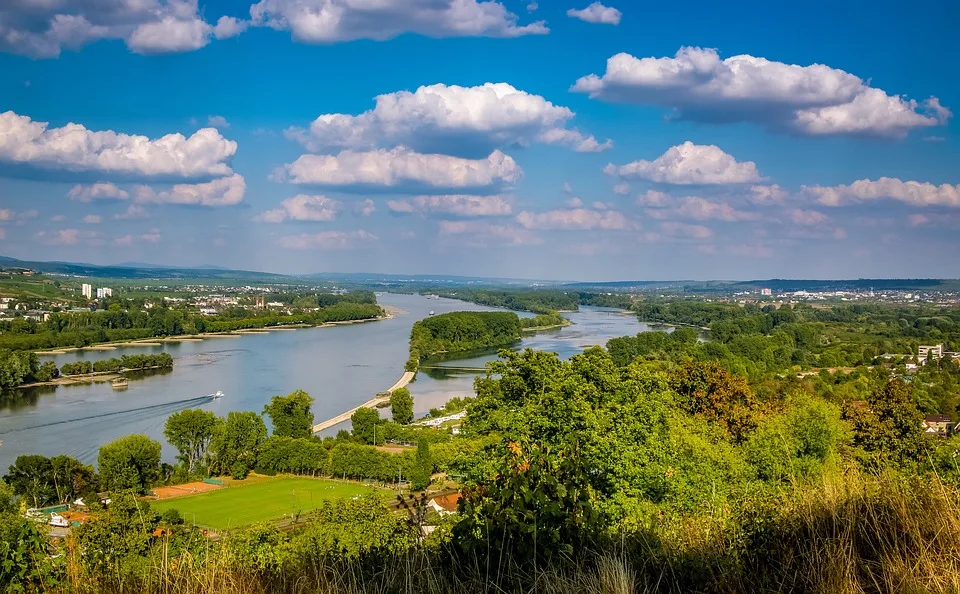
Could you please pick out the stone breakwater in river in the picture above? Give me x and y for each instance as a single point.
(380, 398)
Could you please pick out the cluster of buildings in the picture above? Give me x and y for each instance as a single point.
(939, 426)
(929, 352)
(102, 292)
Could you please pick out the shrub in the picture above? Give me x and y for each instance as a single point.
(239, 470)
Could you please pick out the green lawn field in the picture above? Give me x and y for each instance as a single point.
(264, 498)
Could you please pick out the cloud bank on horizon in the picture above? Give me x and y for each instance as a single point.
(477, 136)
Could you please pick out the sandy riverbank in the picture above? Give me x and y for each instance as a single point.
(551, 327)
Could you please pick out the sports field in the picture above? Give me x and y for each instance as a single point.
(260, 499)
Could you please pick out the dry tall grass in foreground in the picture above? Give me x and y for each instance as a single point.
(851, 535)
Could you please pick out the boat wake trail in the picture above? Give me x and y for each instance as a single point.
(171, 406)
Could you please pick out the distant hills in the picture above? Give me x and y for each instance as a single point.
(141, 270)
(135, 270)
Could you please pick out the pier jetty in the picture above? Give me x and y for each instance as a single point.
(380, 398)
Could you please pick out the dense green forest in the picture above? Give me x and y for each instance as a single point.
(461, 331)
(661, 463)
(539, 301)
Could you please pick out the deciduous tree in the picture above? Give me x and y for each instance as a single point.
(401, 406)
(291, 415)
(131, 462)
(365, 422)
(190, 431)
(239, 440)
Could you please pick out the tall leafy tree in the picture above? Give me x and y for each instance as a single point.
(7, 503)
(709, 390)
(422, 467)
(365, 426)
(131, 462)
(291, 415)
(889, 426)
(190, 431)
(401, 406)
(238, 441)
(71, 478)
(31, 478)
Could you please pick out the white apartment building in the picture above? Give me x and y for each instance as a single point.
(934, 351)
(103, 292)
(87, 291)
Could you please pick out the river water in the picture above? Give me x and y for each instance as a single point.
(339, 366)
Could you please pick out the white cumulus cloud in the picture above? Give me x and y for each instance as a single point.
(575, 219)
(449, 119)
(597, 13)
(365, 208)
(69, 237)
(217, 121)
(92, 219)
(225, 191)
(690, 163)
(767, 195)
(228, 27)
(814, 100)
(808, 217)
(663, 206)
(333, 21)
(97, 191)
(454, 204)
(701, 209)
(479, 233)
(886, 188)
(133, 212)
(75, 148)
(402, 169)
(676, 229)
(302, 208)
(327, 240)
(43, 28)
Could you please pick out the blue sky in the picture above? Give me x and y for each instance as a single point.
(567, 140)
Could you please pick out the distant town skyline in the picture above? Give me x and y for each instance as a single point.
(567, 141)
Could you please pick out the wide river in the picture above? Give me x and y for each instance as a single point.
(339, 366)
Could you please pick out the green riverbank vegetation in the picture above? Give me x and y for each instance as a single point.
(19, 368)
(118, 364)
(538, 301)
(657, 464)
(130, 319)
(544, 321)
(461, 331)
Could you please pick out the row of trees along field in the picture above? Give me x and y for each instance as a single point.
(125, 319)
(236, 445)
(650, 465)
(461, 331)
(22, 367)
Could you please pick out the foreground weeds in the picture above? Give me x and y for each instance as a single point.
(850, 535)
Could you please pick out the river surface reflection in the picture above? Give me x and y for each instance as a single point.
(339, 366)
